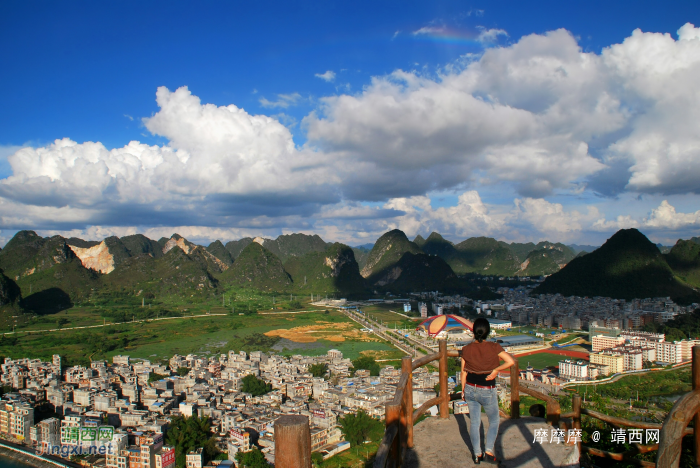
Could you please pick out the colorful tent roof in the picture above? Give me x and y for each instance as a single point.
(438, 323)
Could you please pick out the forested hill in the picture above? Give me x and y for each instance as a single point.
(627, 266)
(43, 275)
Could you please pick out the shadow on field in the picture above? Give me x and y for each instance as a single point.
(48, 301)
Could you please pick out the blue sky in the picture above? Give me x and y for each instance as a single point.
(517, 120)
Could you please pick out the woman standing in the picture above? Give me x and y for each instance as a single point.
(480, 366)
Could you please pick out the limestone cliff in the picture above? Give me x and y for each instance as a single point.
(177, 242)
(96, 258)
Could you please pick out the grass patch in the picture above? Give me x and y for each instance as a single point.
(570, 338)
(390, 319)
(540, 360)
(650, 384)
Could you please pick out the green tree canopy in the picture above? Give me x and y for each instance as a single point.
(152, 377)
(316, 459)
(679, 328)
(318, 370)
(252, 459)
(183, 371)
(368, 363)
(255, 386)
(674, 334)
(359, 427)
(187, 434)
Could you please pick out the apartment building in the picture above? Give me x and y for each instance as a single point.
(642, 336)
(423, 309)
(120, 360)
(16, 420)
(671, 353)
(47, 433)
(570, 323)
(687, 349)
(84, 396)
(194, 459)
(632, 359)
(571, 369)
(165, 457)
(597, 370)
(118, 459)
(601, 342)
(614, 361)
(70, 429)
(595, 330)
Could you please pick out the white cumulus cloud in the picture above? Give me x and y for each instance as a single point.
(662, 218)
(328, 76)
(425, 30)
(540, 117)
(221, 165)
(490, 36)
(283, 101)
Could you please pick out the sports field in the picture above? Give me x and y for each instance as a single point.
(541, 359)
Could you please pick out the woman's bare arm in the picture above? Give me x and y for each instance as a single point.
(463, 377)
(509, 361)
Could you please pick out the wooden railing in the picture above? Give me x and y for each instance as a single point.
(399, 413)
(672, 430)
(400, 416)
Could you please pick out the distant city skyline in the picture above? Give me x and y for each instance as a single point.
(522, 122)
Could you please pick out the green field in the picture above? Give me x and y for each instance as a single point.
(160, 339)
(384, 313)
(115, 309)
(647, 385)
(540, 360)
(572, 337)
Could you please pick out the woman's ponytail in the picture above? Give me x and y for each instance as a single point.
(481, 329)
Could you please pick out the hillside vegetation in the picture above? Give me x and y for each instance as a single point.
(387, 251)
(487, 256)
(47, 275)
(627, 266)
(257, 268)
(684, 259)
(333, 270)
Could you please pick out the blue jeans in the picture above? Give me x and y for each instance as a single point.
(488, 398)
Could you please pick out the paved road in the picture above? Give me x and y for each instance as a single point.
(380, 331)
(379, 326)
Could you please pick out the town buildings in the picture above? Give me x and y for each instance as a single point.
(119, 394)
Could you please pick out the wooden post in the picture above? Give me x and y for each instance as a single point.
(576, 406)
(392, 415)
(406, 367)
(514, 390)
(444, 392)
(293, 441)
(696, 418)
